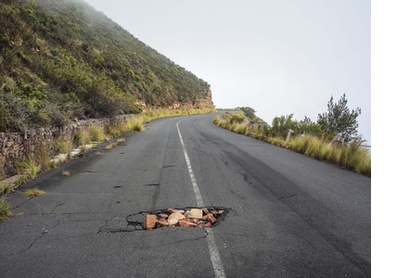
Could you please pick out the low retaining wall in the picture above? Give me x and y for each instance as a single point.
(19, 145)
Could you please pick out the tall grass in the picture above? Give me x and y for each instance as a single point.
(136, 124)
(61, 144)
(4, 209)
(82, 138)
(133, 124)
(27, 168)
(153, 114)
(352, 157)
(97, 134)
(43, 158)
(64, 146)
(356, 158)
(5, 187)
(31, 167)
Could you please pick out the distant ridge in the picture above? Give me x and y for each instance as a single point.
(62, 58)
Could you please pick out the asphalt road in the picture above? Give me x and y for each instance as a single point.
(287, 215)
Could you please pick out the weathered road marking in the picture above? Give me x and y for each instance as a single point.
(212, 247)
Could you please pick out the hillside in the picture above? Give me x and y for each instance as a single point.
(62, 58)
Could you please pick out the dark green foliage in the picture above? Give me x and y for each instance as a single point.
(248, 112)
(282, 124)
(339, 119)
(308, 127)
(60, 58)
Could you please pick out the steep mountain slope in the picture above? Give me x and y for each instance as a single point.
(62, 58)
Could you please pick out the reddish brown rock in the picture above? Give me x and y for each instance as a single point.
(184, 223)
(172, 210)
(193, 217)
(193, 220)
(206, 225)
(162, 222)
(210, 218)
(150, 221)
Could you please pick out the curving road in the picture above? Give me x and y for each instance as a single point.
(286, 215)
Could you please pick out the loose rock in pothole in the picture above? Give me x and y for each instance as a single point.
(192, 217)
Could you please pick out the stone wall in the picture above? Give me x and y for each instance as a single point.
(19, 145)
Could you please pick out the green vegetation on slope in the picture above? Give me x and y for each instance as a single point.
(62, 58)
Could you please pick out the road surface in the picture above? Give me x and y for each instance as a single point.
(286, 215)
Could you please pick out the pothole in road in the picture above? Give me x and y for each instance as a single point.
(205, 217)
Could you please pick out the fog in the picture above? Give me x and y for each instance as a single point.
(278, 57)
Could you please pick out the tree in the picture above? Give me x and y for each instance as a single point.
(339, 119)
(308, 126)
(281, 125)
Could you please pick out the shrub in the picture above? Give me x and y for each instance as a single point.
(237, 119)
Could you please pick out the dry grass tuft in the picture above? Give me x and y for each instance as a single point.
(34, 192)
(66, 173)
(5, 187)
(4, 209)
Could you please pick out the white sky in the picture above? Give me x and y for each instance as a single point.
(278, 57)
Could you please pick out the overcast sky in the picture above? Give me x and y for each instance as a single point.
(279, 57)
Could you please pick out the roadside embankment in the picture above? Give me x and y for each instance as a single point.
(17, 146)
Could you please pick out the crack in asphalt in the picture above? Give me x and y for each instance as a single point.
(20, 205)
(105, 229)
(44, 232)
(58, 205)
